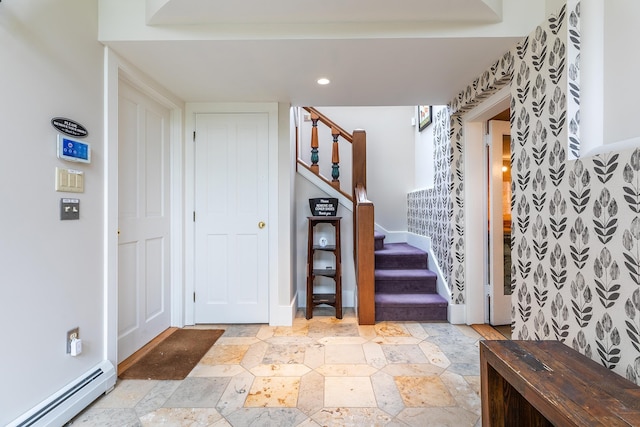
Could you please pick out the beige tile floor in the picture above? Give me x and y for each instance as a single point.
(319, 372)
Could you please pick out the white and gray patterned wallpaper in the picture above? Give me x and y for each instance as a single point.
(575, 222)
(430, 211)
(446, 226)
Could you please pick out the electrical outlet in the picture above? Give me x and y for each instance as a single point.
(73, 333)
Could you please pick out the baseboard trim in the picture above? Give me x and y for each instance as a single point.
(69, 401)
(457, 314)
(391, 236)
(283, 315)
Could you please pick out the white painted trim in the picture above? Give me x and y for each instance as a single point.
(475, 222)
(500, 308)
(456, 314)
(70, 400)
(111, 206)
(420, 242)
(274, 209)
(496, 103)
(283, 315)
(277, 313)
(391, 236)
(476, 195)
(177, 219)
(114, 69)
(424, 243)
(332, 192)
(626, 144)
(592, 78)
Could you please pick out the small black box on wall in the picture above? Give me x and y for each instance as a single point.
(323, 206)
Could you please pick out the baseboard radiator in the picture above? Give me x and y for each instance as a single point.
(68, 402)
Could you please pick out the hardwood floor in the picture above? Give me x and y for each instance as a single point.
(488, 332)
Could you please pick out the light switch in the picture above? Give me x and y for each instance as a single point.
(69, 180)
(69, 209)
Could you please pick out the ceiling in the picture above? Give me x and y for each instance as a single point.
(375, 52)
(306, 11)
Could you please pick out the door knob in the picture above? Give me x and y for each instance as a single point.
(261, 225)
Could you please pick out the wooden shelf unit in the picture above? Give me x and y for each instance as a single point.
(335, 273)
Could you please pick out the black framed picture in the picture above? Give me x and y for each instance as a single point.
(424, 116)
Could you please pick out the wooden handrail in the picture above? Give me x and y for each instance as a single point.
(336, 132)
(306, 166)
(329, 123)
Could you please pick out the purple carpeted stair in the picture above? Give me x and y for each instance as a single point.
(405, 288)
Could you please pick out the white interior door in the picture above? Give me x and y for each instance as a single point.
(231, 210)
(500, 297)
(144, 306)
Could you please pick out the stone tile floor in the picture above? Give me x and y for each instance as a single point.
(318, 372)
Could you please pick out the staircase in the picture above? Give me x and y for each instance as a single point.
(405, 289)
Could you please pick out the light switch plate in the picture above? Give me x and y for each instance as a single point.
(69, 209)
(69, 180)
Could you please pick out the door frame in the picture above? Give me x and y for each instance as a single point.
(276, 315)
(476, 195)
(499, 313)
(116, 68)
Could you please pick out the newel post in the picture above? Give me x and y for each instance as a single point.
(314, 144)
(359, 158)
(335, 159)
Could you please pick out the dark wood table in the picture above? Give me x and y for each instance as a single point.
(546, 383)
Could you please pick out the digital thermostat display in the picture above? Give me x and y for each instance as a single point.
(73, 150)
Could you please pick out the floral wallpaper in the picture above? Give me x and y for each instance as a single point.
(431, 211)
(447, 237)
(576, 232)
(575, 221)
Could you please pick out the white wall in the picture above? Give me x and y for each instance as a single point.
(552, 6)
(621, 64)
(51, 271)
(390, 176)
(390, 148)
(304, 191)
(424, 168)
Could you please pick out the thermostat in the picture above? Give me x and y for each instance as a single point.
(73, 150)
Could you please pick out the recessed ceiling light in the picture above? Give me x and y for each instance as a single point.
(323, 81)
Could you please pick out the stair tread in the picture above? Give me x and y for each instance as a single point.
(400, 256)
(413, 298)
(399, 249)
(409, 299)
(406, 274)
(378, 241)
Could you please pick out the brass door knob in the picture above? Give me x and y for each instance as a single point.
(261, 225)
